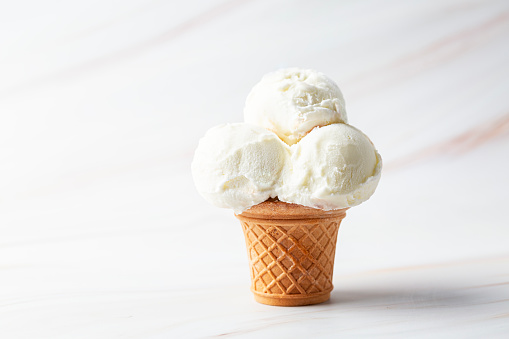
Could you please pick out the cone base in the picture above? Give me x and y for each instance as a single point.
(280, 300)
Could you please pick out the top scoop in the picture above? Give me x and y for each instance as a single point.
(291, 102)
(294, 146)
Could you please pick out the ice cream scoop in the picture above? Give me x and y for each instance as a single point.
(291, 102)
(239, 165)
(333, 167)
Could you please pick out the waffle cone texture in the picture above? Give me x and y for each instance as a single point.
(291, 251)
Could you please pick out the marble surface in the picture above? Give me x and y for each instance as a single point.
(102, 234)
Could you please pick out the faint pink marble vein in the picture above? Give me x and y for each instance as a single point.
(100, 27)
(430, 56)
(465, 142)
(133, 50)
(491, 285)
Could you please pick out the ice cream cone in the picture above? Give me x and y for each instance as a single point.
(291, 252)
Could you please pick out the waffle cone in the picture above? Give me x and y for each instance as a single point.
(291, 252)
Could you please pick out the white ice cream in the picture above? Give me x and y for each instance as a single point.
(239, 165)
(332, 167)
(329, 165)
(291, 102)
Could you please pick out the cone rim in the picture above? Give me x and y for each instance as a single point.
(275, 209)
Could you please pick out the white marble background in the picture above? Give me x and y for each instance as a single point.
(102, 234)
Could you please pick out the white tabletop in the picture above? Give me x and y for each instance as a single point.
(102, 103)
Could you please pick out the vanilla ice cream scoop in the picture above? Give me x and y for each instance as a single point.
(291, 102)
(333, 167)
(239, 165)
